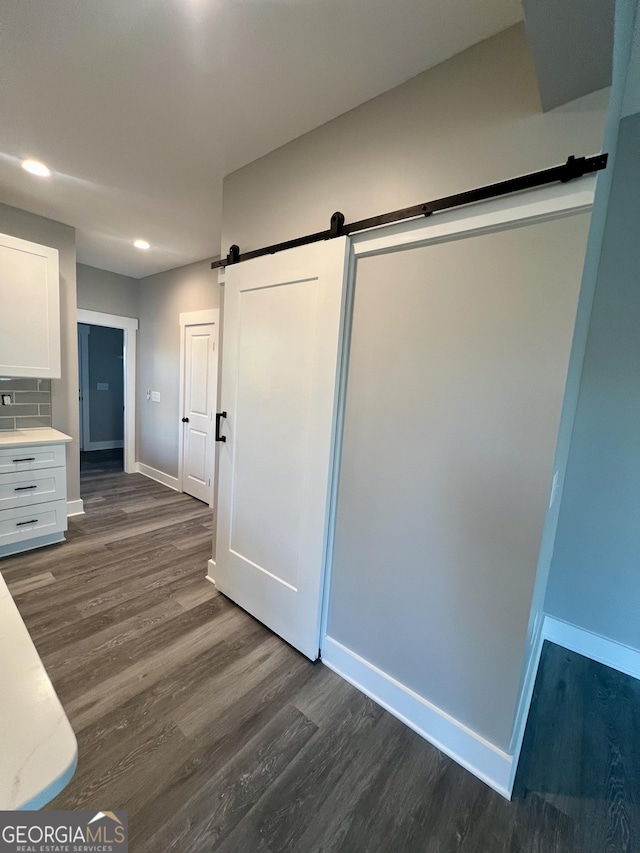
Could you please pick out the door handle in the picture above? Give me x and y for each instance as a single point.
(185, 420)
(219, 416)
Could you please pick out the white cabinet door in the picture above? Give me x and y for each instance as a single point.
(279, 367)
(30, 317)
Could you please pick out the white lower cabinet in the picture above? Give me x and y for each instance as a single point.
(33, 490)
(25, 524)
(30, 457)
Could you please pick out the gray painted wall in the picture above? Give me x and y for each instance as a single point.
(64, 391)
(628, 35)
(471, 120)
(107, 292)
(594, 580)
(162, 298)
(623, 48)
(572, 44)
(595, 575)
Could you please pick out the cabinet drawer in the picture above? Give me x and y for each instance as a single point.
(18, 525)
(32, 457)
(26, 488)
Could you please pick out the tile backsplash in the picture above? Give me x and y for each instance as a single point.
(30, 405)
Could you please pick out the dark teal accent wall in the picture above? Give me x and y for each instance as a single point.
(594, 581)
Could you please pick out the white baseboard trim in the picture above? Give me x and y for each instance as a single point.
(158, 476)
(526, 695)
(594, 646)
(75, 508)
(211, 570)
(473, 752)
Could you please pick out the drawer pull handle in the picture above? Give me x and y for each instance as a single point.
(24, 488)
(26, 459)
(21, 523)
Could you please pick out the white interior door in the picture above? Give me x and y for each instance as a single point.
(279, 378)
(200, 365)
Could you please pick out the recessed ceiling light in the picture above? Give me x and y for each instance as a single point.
(141, 244)
(36, 168)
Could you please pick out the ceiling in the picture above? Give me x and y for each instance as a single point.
(140, 107)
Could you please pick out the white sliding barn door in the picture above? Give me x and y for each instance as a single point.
(279, 368)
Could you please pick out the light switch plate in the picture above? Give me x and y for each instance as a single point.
(155, 396)
(6, 399)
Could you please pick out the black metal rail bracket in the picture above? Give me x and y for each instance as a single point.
(337, 224)
(575, 167)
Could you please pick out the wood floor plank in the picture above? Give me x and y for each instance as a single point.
(244, 837)
(404, 804)
(20, 586)
(581, 752)
(540, 828)
(198, 594)
(282, 817)
(94, 577)
(67, 654)
(125, 778)
(205, 820)
(87, 707)
(269, 667)
(330, 825)
(112, 658)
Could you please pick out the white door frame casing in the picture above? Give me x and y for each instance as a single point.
(197, 318)
(468, 748)
(83, 334)
(129, 326)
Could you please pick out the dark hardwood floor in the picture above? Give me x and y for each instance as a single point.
(217, 736)
(581, 751)
(97, 461)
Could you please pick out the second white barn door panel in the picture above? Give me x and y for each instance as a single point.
(280, 363)
(458, 358)
(200, 366)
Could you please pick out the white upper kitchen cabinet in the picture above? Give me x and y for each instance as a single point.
(29, 309)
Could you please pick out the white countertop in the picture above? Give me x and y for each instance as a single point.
(23, 437)
(38, 749)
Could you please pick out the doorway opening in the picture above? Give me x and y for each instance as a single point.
(101, 369)
(106, 391)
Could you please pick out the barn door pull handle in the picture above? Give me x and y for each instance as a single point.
(219, 416)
